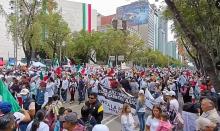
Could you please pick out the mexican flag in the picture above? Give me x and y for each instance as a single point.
(5, 95)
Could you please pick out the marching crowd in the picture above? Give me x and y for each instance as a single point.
(41, 96)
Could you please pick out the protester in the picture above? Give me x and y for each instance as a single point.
(65, 85)
(41, 96)
(209, 116)
(95, 107)
(141, 109)
(70, 122)
(86, 119)
(127, 120)
(38, 123)
(153, 120)
(7, 122)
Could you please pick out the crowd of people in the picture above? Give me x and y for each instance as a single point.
(41, 95)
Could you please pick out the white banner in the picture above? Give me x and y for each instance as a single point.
(113, 100)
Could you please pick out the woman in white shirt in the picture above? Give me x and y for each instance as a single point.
(38, 123)
(153, 120)
(127, 120)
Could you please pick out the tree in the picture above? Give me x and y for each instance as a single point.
(58, 32)
(21, 25)
(198, 21)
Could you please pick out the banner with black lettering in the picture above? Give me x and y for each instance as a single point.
(113, 100)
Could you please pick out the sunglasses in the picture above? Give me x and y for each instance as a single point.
(91, 98)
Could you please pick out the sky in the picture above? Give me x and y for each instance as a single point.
(108, 7)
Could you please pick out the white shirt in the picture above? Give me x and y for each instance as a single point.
(153, 123)
(65, 84)
(127, 122)
(42, 127)
(50, 88)
(174, 104)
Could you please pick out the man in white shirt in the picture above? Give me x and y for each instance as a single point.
(174, 104)
(64, 87)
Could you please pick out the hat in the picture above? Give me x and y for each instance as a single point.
(24, 91)
(5, 107)
(100, 127)
(70, 117)
(172, 93)
(141, 92)
(165, 92)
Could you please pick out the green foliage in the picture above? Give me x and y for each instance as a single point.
(203, 19)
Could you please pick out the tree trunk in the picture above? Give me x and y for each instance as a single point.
(209, 67)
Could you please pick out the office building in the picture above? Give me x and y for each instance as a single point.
(140, 17)
(7, 48)
(79, 16)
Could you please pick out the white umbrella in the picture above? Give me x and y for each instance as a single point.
(38, 64)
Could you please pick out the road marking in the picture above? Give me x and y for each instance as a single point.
(106, 118)
(111, 120)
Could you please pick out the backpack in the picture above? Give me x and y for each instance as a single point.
(88, 126)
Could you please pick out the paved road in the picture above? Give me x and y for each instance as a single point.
(112, 121)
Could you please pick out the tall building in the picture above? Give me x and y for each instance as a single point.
(161, 31)
(139, 16)
(79, 16)
(171, 49)
(7, 48)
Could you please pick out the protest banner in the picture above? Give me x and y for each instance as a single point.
(113, 100)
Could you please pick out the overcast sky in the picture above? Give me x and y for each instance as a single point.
(108, 7)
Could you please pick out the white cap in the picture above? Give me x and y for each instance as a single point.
(24, 91)
(172, 93)
(165, 92)
(141, 92)
(100, 127)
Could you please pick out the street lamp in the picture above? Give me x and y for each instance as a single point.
(62, 45)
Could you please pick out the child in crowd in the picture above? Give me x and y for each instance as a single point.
(164, 124)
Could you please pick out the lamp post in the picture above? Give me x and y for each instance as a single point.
(62, 45)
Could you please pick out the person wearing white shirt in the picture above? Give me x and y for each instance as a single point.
(174, 104)
(38, 123)
(127, 120)
(153, 121)
(50, 88)
(65, 85)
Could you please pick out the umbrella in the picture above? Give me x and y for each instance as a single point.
(38, 64)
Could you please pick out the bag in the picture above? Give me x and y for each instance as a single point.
(88, 126)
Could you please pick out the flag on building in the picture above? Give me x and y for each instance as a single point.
(87, 17)
(5, 95)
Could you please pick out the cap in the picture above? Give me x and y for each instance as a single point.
(165, 92)
(70, 117)
(100, 127)
(141, 92)
(172, 93)
(24, 91)
(5, 107)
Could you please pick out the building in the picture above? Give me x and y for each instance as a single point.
(161, 33)
(79, 16)
(7, 48)
(171, 49)
(139, 16)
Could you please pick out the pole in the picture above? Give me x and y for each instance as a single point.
(16, 34)
(60, 52)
